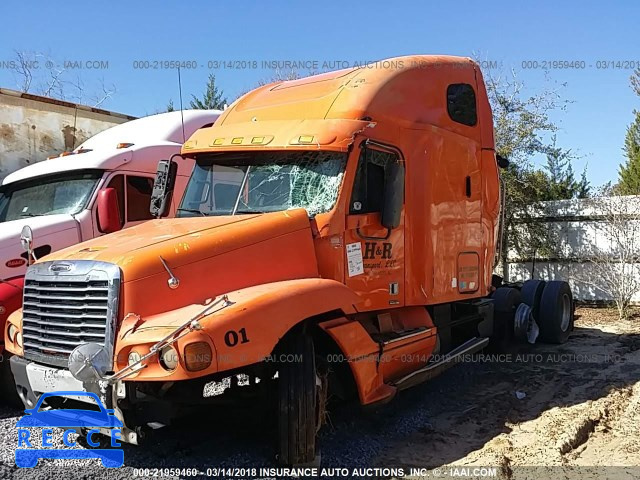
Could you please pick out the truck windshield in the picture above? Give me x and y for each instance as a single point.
(261, 182)
(48, 195)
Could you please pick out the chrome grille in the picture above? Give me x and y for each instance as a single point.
(66, 304)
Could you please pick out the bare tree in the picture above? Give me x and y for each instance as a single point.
(24, 63)
(39, 73)
(104, 94)
(281, 76)
(614, 249)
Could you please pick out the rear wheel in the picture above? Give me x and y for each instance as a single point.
(300, 404)
(556, 312)
(532, 295)
(505, 303)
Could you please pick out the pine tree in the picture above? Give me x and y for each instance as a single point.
(213, 98)
(170, 107)
(584, 187)
(629, 173)
(560, 177)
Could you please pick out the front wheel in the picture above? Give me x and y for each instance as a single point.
(299, 401)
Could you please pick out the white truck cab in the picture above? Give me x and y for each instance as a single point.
(59, 198)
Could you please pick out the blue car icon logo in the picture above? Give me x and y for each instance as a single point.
(71, 420)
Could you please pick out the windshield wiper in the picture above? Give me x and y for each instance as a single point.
(192, 210)
(248, 211)
(26, 214)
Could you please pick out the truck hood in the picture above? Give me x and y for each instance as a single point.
(185, 241)
(42, 225)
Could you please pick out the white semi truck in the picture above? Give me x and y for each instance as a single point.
(60, 199)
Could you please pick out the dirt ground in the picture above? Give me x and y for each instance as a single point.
(540, 411)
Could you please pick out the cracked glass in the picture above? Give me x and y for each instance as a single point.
(262, 182)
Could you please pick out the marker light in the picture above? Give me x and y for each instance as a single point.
(124, 145)
(197, 356)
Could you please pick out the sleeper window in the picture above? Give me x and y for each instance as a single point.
(461, 104)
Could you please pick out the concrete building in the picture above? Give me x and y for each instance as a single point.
(33, 127)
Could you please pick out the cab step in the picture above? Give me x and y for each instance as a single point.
(432, 370)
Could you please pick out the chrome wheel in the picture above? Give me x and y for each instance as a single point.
(566, 313)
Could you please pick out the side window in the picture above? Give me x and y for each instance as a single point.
(368, 188)
(461, 103)
(138, 198)
(117, 183)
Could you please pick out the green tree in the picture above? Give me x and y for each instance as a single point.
(629, 173)
(213, 98)
(560, 178)
(523, 129)
(170, 107)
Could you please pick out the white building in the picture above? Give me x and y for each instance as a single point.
(585, 234)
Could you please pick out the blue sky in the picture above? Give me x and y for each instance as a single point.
(506, 32)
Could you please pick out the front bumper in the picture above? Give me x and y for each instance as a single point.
(33, 379)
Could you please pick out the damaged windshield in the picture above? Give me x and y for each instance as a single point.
(261, 182)
(66, 192)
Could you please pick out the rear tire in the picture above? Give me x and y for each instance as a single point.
(505, 303)
(556, 312)
(298, 418)
(532, 295)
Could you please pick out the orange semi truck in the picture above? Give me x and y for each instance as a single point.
(337, 236)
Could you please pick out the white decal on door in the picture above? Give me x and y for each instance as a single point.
(354, 259)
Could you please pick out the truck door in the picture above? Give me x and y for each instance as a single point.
(374, 254)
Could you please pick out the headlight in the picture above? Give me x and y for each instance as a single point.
(11, 332)
(19, 339)
(197, 356)
(133, 358)
(169, 358)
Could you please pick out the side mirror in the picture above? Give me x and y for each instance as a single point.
(163, 186)
(109, 220)
(502, 161)
(26, 240)
(393, 196)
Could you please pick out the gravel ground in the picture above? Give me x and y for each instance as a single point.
(577, 411)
